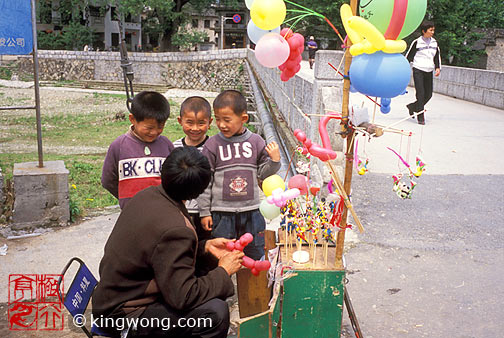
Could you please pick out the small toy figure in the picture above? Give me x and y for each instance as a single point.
(401, 189)
(420, 167)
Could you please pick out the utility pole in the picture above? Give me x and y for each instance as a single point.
(223, 18)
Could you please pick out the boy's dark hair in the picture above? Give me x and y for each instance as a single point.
(185, 173)
(426, 25)
(232, 99)
(150, 105)
(196, 104)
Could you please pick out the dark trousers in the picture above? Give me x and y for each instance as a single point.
(215, 309)
(235, 224)
(423, 89)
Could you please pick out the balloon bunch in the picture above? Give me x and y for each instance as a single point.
(378, 69)
(263, 29)
(293, 64)
(270, 184)
(254, 266)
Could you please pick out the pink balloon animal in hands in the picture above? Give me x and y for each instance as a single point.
(254, 266)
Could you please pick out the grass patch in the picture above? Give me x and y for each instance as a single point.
(73, 123)
(5, 73)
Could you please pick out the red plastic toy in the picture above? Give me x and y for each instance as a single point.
(254, 266)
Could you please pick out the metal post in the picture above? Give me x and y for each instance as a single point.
(221, 38)
(36, 81)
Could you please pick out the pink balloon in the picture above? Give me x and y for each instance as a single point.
(272, 50)
(292, 64)
(299, 38)
(248, 262)
(300, 135)
(293, 44)
(297, 68)
(238, 246)
(291, 193)
(284, 77)
(246, 238)
(255, 272)
(282, 66)
(299, 182)
(230, 246)
(262, 265)
(322, 153)
(294, 54)
(286, 33)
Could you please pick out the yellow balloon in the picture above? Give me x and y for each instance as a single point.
(366, 29)
(394, 46)
(268, 14)
(272, 182)
(346, 13)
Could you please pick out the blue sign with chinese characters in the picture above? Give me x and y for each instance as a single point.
(16, 36)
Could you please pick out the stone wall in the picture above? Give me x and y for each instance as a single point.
(495, 53)
(475, 85)
(209, 70)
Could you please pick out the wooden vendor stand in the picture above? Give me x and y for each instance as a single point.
(310, 302)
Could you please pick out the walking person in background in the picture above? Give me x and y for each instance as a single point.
(312, 48)
(425, 58)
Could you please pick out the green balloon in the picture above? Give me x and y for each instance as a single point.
(269, 211)
(414, 17)
(379, 13)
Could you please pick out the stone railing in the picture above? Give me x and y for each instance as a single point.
(209, 70)
(475, 85)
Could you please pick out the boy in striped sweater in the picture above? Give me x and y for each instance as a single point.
(134, 160)
(195, 119)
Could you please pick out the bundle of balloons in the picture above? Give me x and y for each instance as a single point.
(254, 266)
(378, 69)
(274, 47)
(277, 195)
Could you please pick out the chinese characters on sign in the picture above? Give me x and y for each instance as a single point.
(16, 36)
(34, 302)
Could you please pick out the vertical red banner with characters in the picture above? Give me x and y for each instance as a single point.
(34, 302)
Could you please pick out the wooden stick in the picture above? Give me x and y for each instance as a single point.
(326, 252)
(341, 190)
(374, 110)
(402, 120)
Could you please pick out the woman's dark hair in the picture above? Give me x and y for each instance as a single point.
(185, 173)
(150, 105)
(424, 27)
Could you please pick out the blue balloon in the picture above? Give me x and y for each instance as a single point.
(255, 33)
(380, 74)
(385, 105)
(352, 89)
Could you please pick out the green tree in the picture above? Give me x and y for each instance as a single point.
(167, 15)
(457, 23)
(75, 34)
(185, 40)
